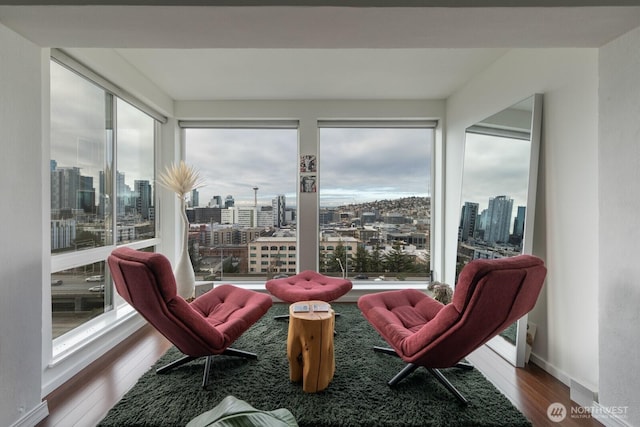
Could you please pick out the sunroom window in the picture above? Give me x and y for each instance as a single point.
(102, 172)
(375, 199)
(249, 194)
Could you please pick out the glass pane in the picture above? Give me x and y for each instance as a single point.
(81, 137)
(78, 295)
(246, 210)
(135, 207)
(375, 202)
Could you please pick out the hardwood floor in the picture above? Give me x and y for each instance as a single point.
(85, 399)
(530, 389)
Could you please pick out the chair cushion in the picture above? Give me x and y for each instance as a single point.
(308, 285)
(231, 310)
(401, 318)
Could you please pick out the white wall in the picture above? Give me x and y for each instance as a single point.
(566, 221)
(21, 274)
(26, 372)
(619, 194)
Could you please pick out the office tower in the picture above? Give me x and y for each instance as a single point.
(195, 198)
(468, 219)
(144, 200)
(65, 185)
(87, 195)
(279, 207)
(518, 224)
(229, 202)
(498, 219)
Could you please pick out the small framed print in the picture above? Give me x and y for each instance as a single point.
(308, 183)
(307, 163)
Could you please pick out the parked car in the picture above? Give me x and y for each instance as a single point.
(56, 282)
(98, 278)
(280, 276)
(97, 288)
(361, 276)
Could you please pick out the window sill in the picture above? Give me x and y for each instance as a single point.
(77, 349)
(87, 333)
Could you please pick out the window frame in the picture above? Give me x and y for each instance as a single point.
(57, 350)
(437, 168)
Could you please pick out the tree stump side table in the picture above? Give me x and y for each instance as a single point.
(310, 346)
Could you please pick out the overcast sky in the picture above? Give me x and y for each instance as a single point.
(354, 165)
(495, 166)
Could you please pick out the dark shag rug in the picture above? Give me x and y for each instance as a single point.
(357, 396)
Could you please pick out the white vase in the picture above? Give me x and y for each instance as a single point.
(185, 277)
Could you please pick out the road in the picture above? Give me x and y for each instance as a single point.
(72, 284)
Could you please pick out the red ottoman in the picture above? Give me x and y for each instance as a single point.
(307, 286)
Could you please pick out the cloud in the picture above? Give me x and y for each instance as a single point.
(495, 166)
(355, 165)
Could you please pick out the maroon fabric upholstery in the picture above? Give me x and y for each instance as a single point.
(489, 296)
(204, 327)
(308, 286)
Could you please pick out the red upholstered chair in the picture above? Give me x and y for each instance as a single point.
(307, 286)
(203, 328)
(490, 295)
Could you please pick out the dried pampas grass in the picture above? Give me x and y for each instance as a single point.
(181, 179)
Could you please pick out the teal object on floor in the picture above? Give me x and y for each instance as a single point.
(233, 412)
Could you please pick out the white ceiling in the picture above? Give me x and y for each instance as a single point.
(293, 52)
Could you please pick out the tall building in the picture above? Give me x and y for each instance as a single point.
(468, 219)
(518, 224)
(123, 195)
(65, 186)
(279, 208)
(195, 198)
(229, 202)
(144, 198)
(87, 195)
(498, 219)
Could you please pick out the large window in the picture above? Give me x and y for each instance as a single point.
(81, 137)
(375, 200)
(102, 191)
(243, 224)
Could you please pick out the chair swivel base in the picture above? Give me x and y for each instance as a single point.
(207, 364)
(410, 367)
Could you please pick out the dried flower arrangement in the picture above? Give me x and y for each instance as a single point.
(181, 179)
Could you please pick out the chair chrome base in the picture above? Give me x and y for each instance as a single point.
(408, 370)
(207, 364)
